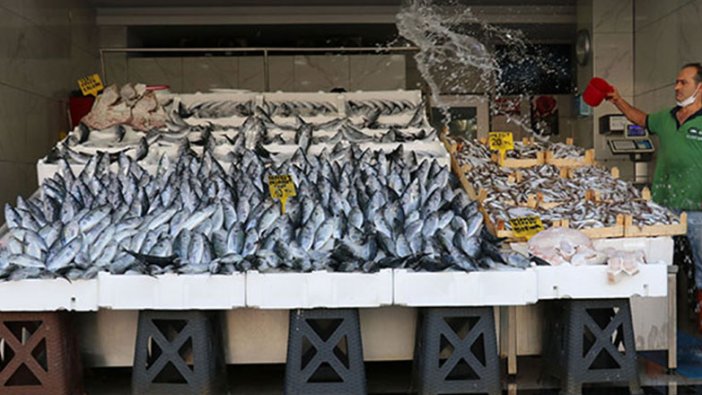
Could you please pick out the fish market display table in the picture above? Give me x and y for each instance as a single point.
(652, 292)
(256, 305)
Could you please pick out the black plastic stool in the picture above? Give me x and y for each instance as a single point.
(582, 342)
(178, 352)
(325, 354)
(456, 351)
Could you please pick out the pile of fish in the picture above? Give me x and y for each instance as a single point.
(563, 151)
(589, 197)
(355, 210)
(518, 185)
(475, 153)
(586, 214)
(277, 127)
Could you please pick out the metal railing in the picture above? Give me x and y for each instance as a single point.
(265, 51)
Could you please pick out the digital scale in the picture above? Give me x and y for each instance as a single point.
(635, 141)
(639, 146)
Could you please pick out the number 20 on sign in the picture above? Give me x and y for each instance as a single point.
(281, 187)
(502, 142)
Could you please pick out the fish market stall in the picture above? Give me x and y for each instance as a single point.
(606, 239)
(257, 203)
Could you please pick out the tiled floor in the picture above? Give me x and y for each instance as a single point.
(395, 378)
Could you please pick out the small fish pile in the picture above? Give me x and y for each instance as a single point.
(587, 214)
(299, 108)
(564, 151)
(216, 109)
(355, 210)
(475, 153)
(380, 106)
(518, 185)
(527, 150)
(589, 197)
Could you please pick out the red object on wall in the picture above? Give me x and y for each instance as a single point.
(79, 107)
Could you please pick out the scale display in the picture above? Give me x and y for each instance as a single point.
(635, 131)
(631, 146)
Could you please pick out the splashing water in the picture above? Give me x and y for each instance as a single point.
(456, 55)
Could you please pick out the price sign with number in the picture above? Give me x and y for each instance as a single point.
(526, 226)
(281, 187)
(90, 85)
(501, 141)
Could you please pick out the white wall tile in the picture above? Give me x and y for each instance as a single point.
(115, 68)
(281, 71)
(656, 100)
(690, 42)
(614, 60)
(656, 54)
(647, 12)
(16, 179)
(156, 71)
(376, 72)
(112, 36)
(205, 73)
(321, 73)
(612, 16)
(251, 73)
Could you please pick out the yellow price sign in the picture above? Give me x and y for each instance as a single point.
(281, 187)
(90, 85)
(526, 226)
(501, 141)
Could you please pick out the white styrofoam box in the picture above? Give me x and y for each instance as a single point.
(591, 282)
(656, 249)
(580, 282)
(456, 288)
(172, 291)
(318, 289)
(49, 295)
(324, 97)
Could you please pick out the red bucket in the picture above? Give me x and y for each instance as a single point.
(596, 91)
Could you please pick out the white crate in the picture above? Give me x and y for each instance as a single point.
(581, 282)
(656, 249)
(49, 295)
(457, 288)
(318, 289)
(591, 282)
(172, 291)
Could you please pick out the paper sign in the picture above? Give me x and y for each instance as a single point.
(281, 187)
(526, 226)
(90, 85)
(501, 141)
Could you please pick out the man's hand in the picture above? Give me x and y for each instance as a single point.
(614, 96)
(633, 114)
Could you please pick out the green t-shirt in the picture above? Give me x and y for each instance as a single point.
(677, 181)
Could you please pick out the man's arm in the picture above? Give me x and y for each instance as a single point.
(631, 113)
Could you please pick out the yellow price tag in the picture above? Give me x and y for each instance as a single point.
(281, 187)
(90, 85)
(501, 141)
(527, 226)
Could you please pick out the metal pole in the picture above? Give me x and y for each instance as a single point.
(266, 72)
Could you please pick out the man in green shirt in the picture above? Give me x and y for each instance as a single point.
(677, 181)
